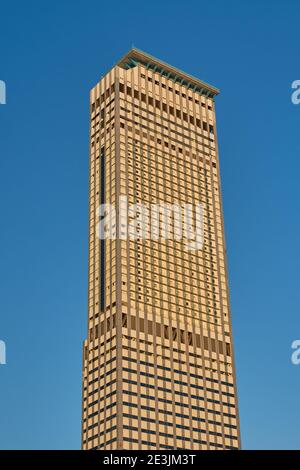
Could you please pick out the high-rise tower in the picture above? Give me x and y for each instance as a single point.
(158, 367)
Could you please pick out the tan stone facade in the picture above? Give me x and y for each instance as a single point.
(158, 367)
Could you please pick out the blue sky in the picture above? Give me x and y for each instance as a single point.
(51, 54)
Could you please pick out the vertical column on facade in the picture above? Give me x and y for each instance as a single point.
(118, 270)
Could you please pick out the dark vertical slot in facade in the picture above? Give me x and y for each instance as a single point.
(102, 240)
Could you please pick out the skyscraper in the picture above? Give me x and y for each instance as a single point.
(158, 366)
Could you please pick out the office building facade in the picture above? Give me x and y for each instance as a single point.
(158, 365)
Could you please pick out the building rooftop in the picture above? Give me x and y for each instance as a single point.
(136, 56)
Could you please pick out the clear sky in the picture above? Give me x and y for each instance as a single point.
(51, 54)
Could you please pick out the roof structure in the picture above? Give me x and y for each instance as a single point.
(135, 56)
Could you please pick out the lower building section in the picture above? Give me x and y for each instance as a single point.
(166, 394)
